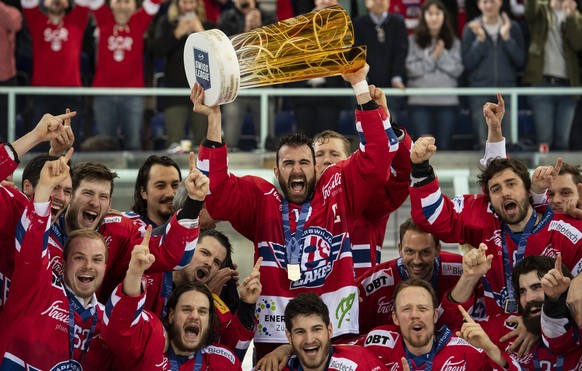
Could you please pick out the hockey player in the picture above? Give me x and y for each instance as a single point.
(416, 338)
(53, 322)
(309, 331)
(561, 333)
(57, 130)
(503, 219)
(92, 189)
(302, 235)
(184, 342)
(420, 257)
(157, 181)
(367, 233)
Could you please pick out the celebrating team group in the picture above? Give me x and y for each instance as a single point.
(86, 287)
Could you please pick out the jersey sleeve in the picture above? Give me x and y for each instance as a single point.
(233, 334)
(395, 190)
(7, 163)
(231, 198)
(31, 259)
(454, 221)
(135, 337)
(368, 167)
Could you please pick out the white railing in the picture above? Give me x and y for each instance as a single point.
(510, 95)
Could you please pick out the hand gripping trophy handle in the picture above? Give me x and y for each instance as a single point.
(317, 44)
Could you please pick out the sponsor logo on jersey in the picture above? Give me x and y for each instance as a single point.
(55, 311)
(329, 189)
(382, 338)
(221, 352)
(270, 321)
(549, 251)
(496, 238)
(385, 305)
(452, 269)
(343, 308)
(219, 304)
(112, 219)
(377, 280)
(69, 365)
(568, 230)
(451, 365)
(342, 364)
(56, 265)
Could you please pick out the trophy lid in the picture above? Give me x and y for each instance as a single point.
(210, 60)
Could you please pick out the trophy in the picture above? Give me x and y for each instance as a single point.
(316, 44)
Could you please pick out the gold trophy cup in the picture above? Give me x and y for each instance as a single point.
(316, 44)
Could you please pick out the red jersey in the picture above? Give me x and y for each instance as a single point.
(36, 333)
(345, 357)
(367, 233)
(253, 207)
(14, 204)
(173, 250)
(377, 286)
(120, 49)
(470, 219)
(450, 352)
(561, 336)
(56, 48)
(138, 339)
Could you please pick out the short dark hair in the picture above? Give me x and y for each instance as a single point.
(409, 225)
(535, 263)
(32, 170)
(83, 233)
(415, 282)
(497, 165)
(177, 292)
(326, 135)
(574, 170)
(305, 304)
(140, 206)
(220, 237)
(294, 140)
(92, 171)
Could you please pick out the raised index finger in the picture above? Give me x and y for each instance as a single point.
(146, 237)
(257, 266)
(192, 161)
(500, 101)
(558, 166)
(558, 265)
(69, 154)
(466, 315)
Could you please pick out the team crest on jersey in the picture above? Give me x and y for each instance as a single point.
(319, 253)
(69, 365)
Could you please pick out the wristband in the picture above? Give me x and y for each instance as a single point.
(361, 87)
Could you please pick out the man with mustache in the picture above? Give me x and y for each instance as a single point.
(503, 219)
(302, 234)
(416, 337)
(527, 277)
(157, 181)
(184, 341)
(559, 329)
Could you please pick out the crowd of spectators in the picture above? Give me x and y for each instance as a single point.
(482, 43)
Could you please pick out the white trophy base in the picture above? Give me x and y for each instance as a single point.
(210, 60)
